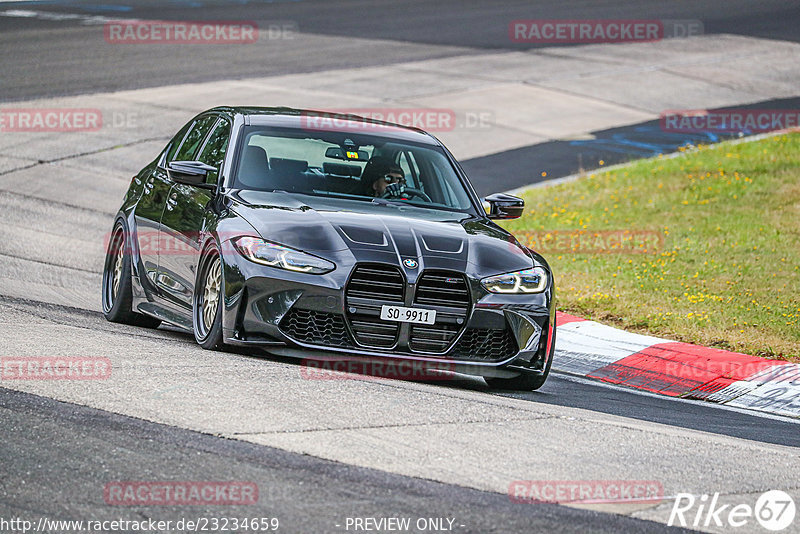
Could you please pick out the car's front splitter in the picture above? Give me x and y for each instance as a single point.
(257, 306)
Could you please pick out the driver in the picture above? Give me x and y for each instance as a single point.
(384, 178)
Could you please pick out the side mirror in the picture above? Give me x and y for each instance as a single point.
(191, 173)
(503, 206)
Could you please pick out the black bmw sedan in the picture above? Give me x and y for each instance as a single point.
(315, 235)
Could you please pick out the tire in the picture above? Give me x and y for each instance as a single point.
(525, 382)
(207, 302)
(117, 283)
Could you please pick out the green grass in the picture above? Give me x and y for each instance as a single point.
(726, 272)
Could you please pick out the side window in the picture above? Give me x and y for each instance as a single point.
(213, 152)
(176, 142)
(193, 139)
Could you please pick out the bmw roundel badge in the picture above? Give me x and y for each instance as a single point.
(411, 264)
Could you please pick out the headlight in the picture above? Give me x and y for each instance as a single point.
(266, 253)
(527, 281)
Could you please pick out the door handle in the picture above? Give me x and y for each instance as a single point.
(172, 201)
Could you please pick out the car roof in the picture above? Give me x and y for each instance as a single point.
(327, 121)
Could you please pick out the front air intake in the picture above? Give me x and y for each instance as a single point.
(316, 328)
(370, 287)
(447, 293)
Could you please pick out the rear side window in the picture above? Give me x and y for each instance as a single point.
(193, 139)
(213, 152)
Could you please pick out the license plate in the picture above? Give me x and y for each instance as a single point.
(408, 315)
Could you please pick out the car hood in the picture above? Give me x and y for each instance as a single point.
(373, 232)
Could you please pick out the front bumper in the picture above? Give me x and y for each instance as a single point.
(306, 316)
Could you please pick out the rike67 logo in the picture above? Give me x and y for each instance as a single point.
(774, 510)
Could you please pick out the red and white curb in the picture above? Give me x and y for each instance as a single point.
(597, 351)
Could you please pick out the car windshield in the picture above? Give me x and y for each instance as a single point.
(349, 165)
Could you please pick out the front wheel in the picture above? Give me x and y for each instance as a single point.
(207, 302)
(117, 284)
(525, 382)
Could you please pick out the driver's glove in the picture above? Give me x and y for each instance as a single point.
(395, 190)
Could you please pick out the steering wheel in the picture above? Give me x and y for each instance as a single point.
(412, 192)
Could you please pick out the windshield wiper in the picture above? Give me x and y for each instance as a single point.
(384, 202)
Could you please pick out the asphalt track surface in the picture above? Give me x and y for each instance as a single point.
(60, 51)
(610, 146)
(559, 390)
(63, 453)
(60, 455)
(52, 58)
(65, 478)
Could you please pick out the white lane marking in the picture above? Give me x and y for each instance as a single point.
(585, 346)
(589, 381)
(56, 17)
(775, 390)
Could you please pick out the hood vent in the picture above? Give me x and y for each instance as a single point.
(446, 245)
(365, 236)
